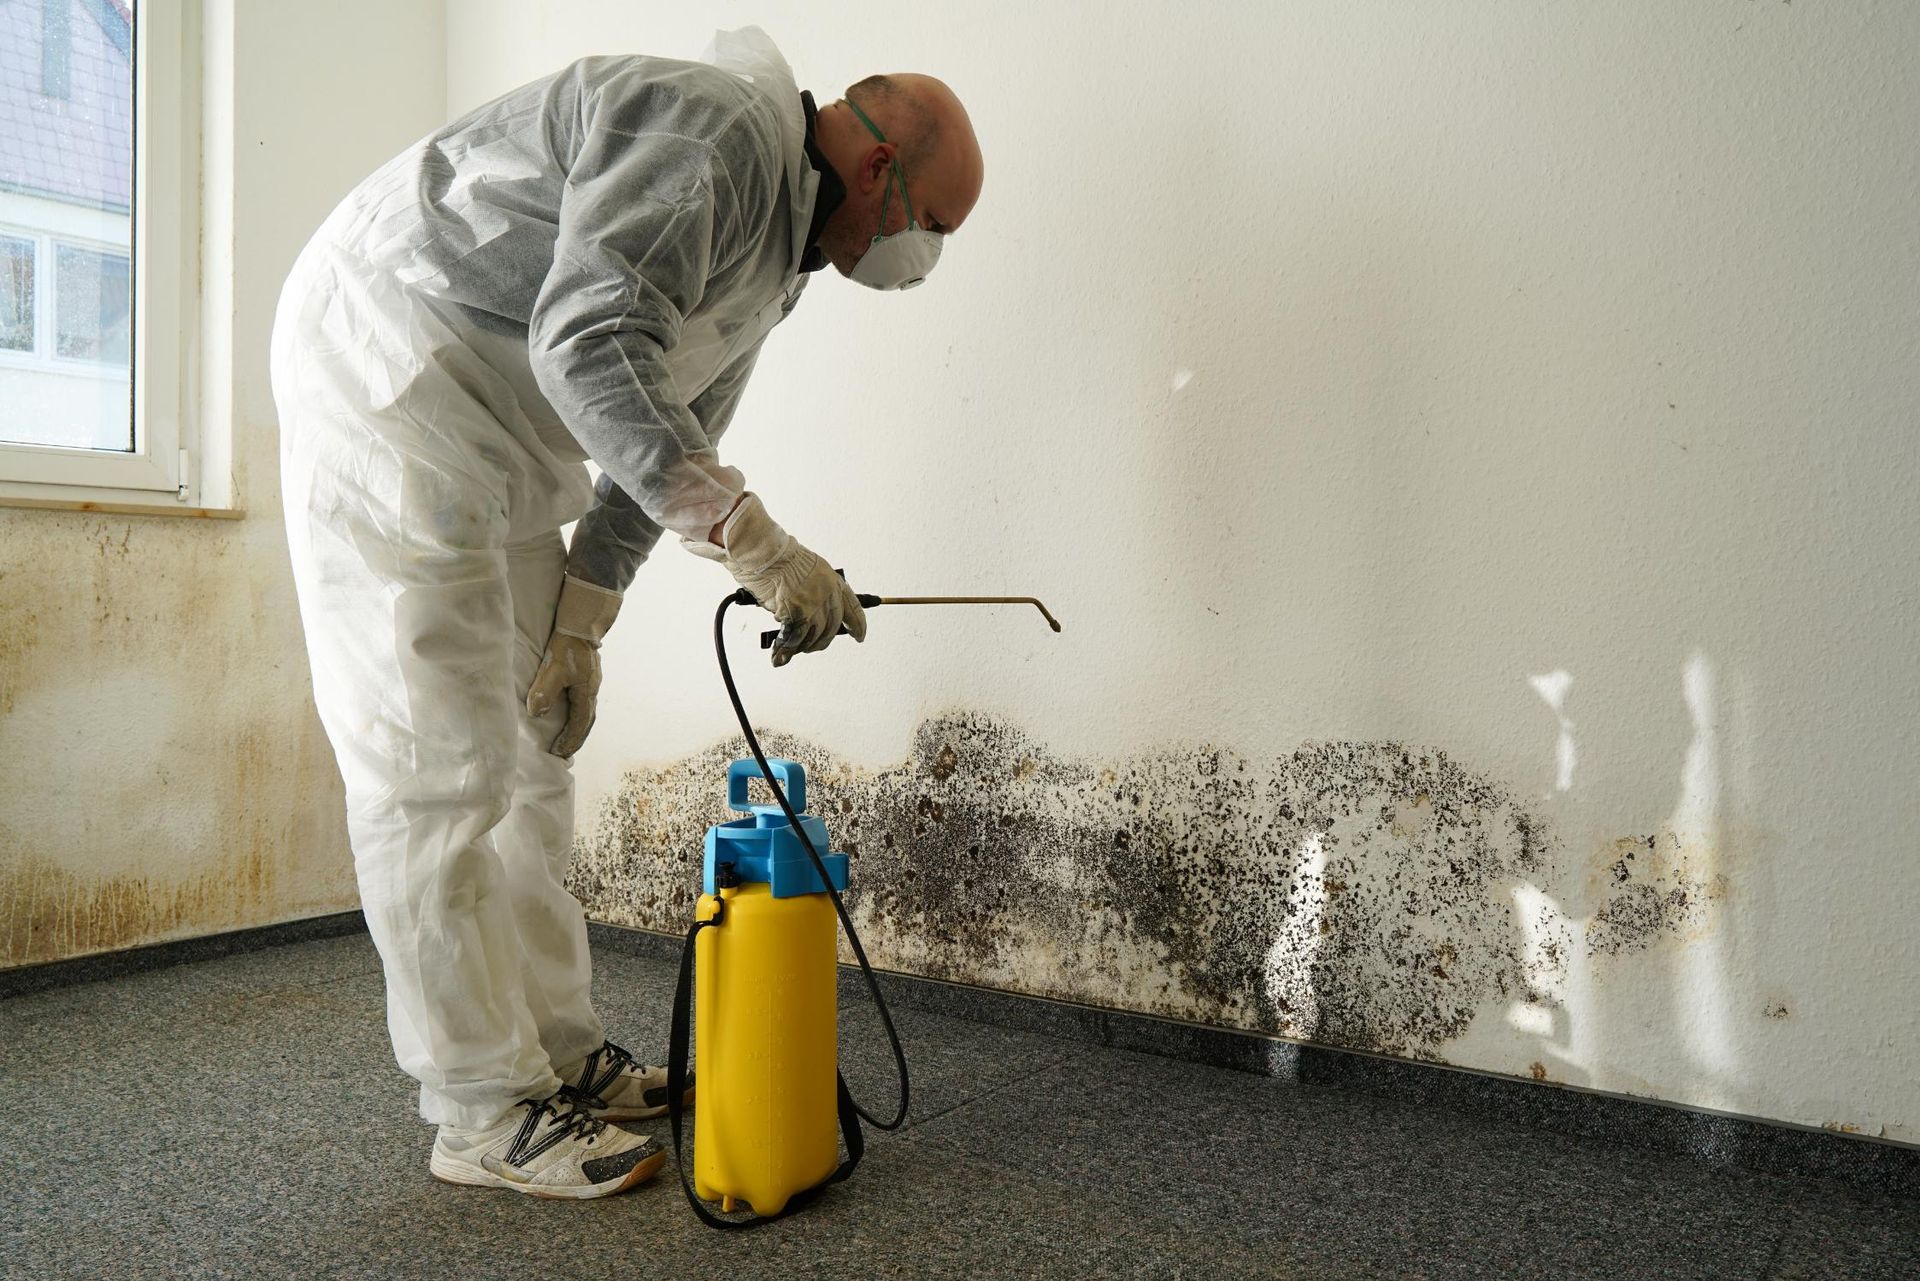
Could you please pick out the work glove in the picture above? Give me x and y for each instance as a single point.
(571, 664)
(800, 589)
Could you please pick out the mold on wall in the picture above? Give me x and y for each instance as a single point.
(1355, 894)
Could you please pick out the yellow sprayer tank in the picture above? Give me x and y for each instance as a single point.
(765, 1031)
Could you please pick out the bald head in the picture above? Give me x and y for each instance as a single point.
(931, 138)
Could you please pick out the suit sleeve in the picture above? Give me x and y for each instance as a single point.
(648, 214)
(613, 540)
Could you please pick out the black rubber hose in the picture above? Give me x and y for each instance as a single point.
(744, 597)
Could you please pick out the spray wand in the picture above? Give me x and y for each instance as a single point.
(869, 601)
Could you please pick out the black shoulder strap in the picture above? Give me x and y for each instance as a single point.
(679, 1042)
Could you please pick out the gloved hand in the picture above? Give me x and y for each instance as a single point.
(572, 661)
(801, 590)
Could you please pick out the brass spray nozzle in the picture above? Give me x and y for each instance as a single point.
(868, 601)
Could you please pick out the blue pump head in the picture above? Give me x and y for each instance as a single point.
(762, 847)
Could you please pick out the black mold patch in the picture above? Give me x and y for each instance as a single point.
(1358, 894)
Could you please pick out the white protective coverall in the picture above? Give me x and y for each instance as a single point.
(583, 268)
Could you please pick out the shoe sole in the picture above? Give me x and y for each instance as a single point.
(467, 1175)
(635, 1114)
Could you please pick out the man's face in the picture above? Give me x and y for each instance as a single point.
(869, 211)
(942, 193)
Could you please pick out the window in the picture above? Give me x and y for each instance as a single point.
(17, 258)
(65, 368)
(96, 238)
(92, 298)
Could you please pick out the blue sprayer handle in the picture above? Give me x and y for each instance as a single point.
(791, 776)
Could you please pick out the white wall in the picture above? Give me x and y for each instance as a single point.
(1535, 384)
(1532, 385)
(165, 775)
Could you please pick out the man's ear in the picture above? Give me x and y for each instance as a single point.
(874, 171)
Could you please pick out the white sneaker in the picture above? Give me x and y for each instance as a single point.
(555, 1150)
(613, 1086)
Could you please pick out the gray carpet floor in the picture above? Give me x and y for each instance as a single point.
(243, 1118)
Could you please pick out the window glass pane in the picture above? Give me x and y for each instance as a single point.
(66, 223)
(16, 294)
(91, 300)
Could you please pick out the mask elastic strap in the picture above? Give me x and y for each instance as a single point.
(898, 172)
(885, 202)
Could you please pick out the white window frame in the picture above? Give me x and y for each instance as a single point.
(156, 474)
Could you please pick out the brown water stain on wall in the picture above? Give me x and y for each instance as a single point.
(251, 789)
(1653, 887)
(48, 913)
(19, 633)
(176, 780)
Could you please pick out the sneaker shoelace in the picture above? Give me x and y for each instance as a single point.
(567, 1118)
(603, 1068)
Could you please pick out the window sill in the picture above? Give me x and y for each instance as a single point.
(123, 506)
